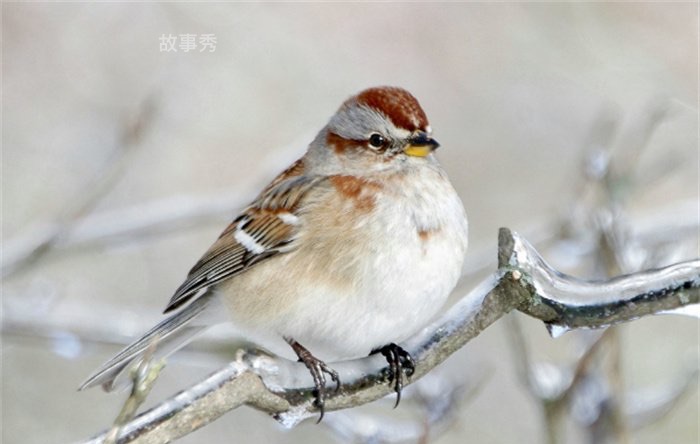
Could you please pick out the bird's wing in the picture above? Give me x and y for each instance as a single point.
(266, 228)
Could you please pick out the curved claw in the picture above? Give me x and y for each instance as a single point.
(317, 368)
(400, 363)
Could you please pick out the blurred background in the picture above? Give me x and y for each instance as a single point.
(125, 152)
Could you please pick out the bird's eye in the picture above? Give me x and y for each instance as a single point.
(377, 140)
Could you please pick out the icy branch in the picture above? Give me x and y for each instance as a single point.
(568, 302)
(523, 281)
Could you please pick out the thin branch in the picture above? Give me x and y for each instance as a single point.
(29, 247)
(76, 228)
(568, 302)
(523, 281)
(150, 219)
(143, 376)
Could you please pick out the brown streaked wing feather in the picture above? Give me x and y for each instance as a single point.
(227, 257)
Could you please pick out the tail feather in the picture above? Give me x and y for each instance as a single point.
(167, 337)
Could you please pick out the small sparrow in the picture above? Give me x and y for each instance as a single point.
(349, 251)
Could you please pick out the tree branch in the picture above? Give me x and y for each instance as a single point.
(568, 302)
(523, 281)
(29, 247)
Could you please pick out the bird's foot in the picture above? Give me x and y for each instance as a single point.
(318, 370)
(400, 363)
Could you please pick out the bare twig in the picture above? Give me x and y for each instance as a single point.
(34, 244)
(143, 376)
(557, 299)
(602, 236)
(523, 281)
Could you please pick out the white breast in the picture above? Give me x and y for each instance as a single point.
(423, 243)
(367, 278)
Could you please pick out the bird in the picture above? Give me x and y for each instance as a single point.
(348, 252)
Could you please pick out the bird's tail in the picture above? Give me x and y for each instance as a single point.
(165, 338)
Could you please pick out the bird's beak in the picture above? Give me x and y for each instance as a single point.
(420, 145)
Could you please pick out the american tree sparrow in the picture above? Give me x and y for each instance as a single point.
(348, 251)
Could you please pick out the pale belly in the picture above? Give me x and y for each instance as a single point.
(342, 308)
(351, 288)
(395, 295)
(403, 290)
